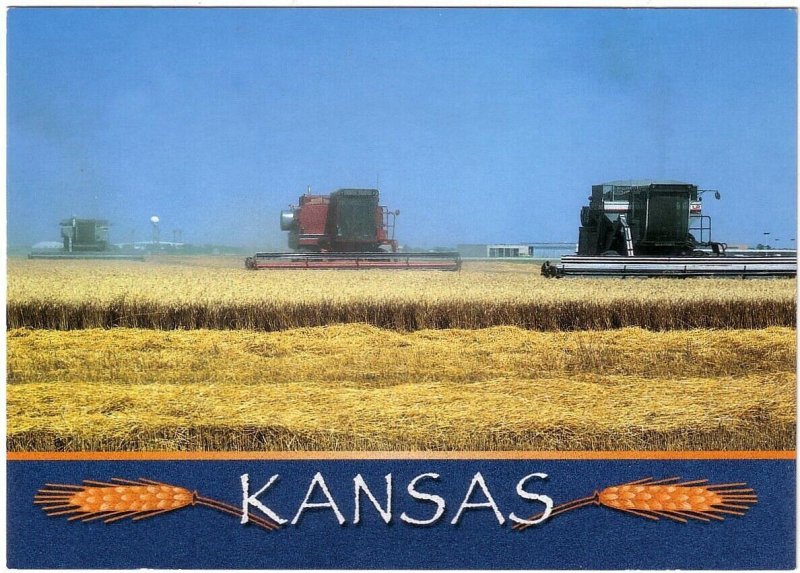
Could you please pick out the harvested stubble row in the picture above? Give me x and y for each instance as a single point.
(103, 294)
(357, 387)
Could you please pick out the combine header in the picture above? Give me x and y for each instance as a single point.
(656, 229)
(355, 261)
(347, 229)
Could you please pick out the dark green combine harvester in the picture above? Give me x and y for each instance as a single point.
(656, 229)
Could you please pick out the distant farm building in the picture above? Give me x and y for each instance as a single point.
(516, 250)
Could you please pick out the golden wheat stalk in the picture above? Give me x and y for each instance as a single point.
(669, 498)
(125, 498)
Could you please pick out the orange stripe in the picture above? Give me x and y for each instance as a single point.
(512, 455)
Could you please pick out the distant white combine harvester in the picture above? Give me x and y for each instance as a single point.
(81, 239)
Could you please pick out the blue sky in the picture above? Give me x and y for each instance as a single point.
(482, 125)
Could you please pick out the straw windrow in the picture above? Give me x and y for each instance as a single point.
(354, 387)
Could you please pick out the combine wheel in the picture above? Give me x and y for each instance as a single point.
(548, 270)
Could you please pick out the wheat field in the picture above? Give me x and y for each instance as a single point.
(207, 292)
(198, 353)
(354, 387)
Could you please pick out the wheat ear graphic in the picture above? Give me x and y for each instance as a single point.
(669, 498)
(123, 498)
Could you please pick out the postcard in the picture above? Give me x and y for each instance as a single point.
(401, 288)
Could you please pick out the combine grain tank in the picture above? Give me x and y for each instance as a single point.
(347, 229)
(346, 221)
(656, 228)
(82, 235)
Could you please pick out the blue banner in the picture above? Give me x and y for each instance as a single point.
(317, 500)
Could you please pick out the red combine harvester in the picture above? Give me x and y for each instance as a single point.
(347, 229)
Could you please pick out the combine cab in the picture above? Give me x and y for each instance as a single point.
(655, 229)
(347, 229)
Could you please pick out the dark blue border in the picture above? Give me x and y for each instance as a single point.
(592, 537)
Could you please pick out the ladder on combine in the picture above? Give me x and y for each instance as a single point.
(626, 231)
